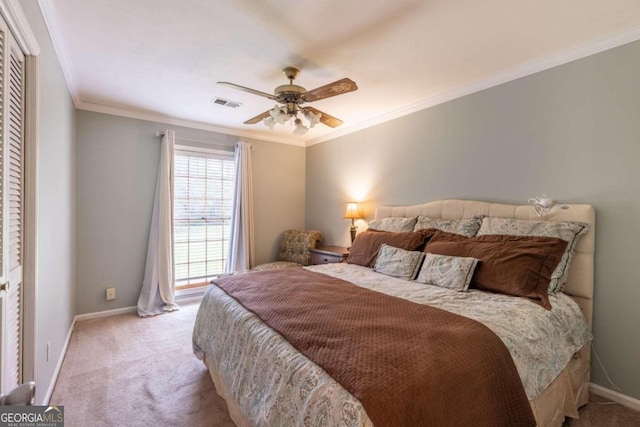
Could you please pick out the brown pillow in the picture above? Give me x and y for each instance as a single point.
(512, 265)
(366, 245)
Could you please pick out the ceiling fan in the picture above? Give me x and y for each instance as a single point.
(292, 97)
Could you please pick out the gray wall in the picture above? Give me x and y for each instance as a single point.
(572, 132)
(117, 164)
(55, 288)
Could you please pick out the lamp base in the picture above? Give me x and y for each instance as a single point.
(352, 230)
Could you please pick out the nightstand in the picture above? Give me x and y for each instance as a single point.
(328, 254)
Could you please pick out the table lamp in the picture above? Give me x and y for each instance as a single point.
(352, 213)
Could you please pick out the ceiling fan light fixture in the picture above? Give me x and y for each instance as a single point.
(300, 129)
(269, 122)
(278, 114)
(312, 117)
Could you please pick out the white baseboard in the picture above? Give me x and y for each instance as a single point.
(620, 398)
(105, 313)
(56, 371)
(185, 298)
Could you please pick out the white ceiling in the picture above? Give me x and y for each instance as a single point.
(161, 59)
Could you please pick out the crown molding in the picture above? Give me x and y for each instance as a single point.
(153, 117)
(17, 21)
(582, 51)
(48, 11)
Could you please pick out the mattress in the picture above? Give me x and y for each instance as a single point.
(273, 384)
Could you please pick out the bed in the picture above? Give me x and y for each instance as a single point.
(267, 381)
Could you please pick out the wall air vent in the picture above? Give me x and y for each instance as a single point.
(226, 102)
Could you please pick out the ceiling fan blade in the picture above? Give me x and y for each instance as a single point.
(257, 118)
(324, 117)
(332, 89)
(246, 89)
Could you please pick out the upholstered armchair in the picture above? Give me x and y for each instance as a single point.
(294, 249)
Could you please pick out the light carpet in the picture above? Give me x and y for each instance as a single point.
(127, 371)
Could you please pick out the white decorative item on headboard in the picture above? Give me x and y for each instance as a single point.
(544, 204)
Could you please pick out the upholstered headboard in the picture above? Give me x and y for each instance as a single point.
(581, 279)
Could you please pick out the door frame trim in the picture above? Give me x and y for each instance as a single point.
(30, 260)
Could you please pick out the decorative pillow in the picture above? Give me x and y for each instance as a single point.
(569, 231)
(466, 226)
(450, 272)
(366, 245)
(395, 224)
(398, 262)
(512, 265)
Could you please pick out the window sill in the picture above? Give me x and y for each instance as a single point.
(191, 292)
(195, 289)
(192, 286)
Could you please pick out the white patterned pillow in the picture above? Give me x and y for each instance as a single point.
(569, 231)
(467, 226)
(395, 224)
(451, 272)
(398, 262)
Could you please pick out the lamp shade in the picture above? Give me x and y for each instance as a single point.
(300, 128)
(352, 211)
(313, 118)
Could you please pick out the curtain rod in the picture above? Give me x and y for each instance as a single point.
(203, 141)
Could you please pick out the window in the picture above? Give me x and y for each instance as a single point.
(203, 202)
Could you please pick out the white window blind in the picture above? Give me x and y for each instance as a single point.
(203, 202)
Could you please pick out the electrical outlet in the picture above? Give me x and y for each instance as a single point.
(111, 294)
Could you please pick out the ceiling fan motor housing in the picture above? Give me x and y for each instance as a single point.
(289, 93)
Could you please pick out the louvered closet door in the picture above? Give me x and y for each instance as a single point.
(11, 207)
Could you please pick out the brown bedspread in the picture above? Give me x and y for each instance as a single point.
(407, 363)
